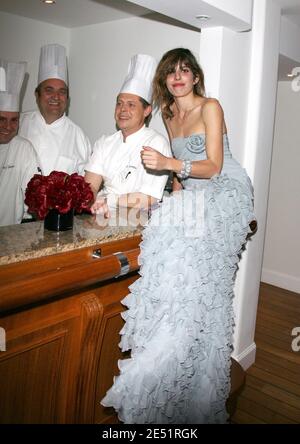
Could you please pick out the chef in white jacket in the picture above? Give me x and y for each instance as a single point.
(18, 160)
(60, 144)
(116, 165)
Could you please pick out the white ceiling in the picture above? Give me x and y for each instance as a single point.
(73, 13)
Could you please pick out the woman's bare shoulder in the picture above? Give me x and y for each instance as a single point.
(211, 104)
(211, 109)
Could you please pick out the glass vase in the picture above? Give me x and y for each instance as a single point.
(56, 221)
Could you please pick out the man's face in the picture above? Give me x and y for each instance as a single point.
(52, 99)
(9, 125)
(130, 113)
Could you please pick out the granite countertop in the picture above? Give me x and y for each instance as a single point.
(31, 240)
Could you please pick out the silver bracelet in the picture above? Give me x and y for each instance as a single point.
(185, 169)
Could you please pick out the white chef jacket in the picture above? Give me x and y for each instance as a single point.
(18, 163)
(61, 146)
(120, 164)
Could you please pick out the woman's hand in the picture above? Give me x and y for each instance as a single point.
(100, 207)
(153, 159)
(176, 186)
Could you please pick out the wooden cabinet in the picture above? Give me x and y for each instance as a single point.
(61, 315)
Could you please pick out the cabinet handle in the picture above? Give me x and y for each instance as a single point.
(124, 264)
(96, 253)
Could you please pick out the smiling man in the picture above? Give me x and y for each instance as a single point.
(116, 161)
(18, 160)
(60, 144)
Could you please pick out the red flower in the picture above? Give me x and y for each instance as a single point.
(59, 190)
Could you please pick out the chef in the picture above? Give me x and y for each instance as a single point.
(116, 164)
(18, 160)
(60, 144)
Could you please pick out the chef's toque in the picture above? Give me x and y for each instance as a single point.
(53, 63)
(11, 80)
(140, 75)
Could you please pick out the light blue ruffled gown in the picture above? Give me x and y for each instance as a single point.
(179, 322)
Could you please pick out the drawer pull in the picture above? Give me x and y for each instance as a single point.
(124, 264)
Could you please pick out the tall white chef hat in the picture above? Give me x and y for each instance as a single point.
(140, 75)
(11, 80)
(53, 63)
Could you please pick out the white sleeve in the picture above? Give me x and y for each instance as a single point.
(153, 182)
(96, 161)
(30, 165)
(30, 168)
(86, 154)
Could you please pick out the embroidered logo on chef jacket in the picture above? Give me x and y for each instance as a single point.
(127, 173)
(6, 167)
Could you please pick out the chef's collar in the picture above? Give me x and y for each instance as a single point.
(134, 137)
(54, 124)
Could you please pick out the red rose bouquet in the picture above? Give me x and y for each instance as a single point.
(59, 191)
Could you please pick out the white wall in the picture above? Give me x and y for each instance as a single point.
(99, 60)
(289, 39)
(21, 39)
(281, 264)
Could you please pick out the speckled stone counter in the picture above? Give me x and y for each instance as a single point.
(31, 240)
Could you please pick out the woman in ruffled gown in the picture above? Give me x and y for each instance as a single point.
(179, 322)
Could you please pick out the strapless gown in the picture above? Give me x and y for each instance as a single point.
(180, 319)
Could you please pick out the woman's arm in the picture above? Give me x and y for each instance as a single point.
(213, 118)
(176, 185)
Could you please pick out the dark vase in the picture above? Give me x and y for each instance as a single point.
(55, 221)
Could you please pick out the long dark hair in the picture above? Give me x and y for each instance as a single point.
(162, 98)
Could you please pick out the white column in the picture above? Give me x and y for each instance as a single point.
(257, 160)
(241, 71)
(211, 48)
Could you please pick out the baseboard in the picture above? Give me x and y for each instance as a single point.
(247, 357)
(281, 280)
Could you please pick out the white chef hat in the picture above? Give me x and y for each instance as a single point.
(11, 80)
(140, 75)
(53, 63)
